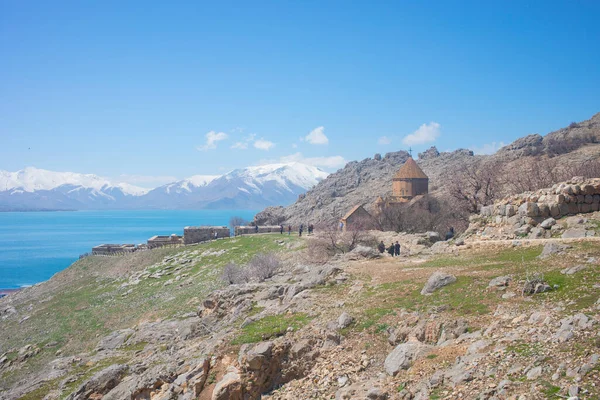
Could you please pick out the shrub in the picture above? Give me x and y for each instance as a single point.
(233, 274)
(263, 266)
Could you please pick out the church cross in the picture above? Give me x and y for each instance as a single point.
(410, 151)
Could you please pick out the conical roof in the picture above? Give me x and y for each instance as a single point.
(410, 170)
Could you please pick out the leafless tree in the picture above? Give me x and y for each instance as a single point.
(237, 221)
(263, 266)
(474, 184)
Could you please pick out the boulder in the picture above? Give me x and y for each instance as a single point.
(365, 251)
(229, 387)
(574, 233)
(552, 248)
(115, 339)
(437, 280)
(345, 320)
(572, 270)
(500, 281)
(548, 223)
(101, 383)
(403, 356)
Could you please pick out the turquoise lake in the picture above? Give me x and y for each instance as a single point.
(36, 245)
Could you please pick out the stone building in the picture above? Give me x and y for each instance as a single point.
(357, 217)
(409, 182)
(197, 234)
(112, 249)
(160, 241)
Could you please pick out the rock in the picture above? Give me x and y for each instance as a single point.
(508, 295)
(529, 209)
(548, 223)
(402, 357)
(345, 320)
(115, 339)
(365, 251)
(229, 387)
(552, 248)
(572, 270)
(500, 281)
(573, 390)
(534, 373)
(101, 383)
(437, 280)
(572, 233)
(433, 237)
(376, 394)
(478, 346)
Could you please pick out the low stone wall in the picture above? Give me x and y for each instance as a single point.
(112, 249)
(534, 215)
(197, 234)
(569, 198)
(246, 230)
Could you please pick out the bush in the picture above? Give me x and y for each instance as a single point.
(262, 266)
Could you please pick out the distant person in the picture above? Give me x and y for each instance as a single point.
(300, 230)
(390, 250)
(255, 228)
(281, 229)
(381, 247)
(341, 226)
(216, 235)
(310, 229)
(397, 249)
(289, 230)
(450, 233)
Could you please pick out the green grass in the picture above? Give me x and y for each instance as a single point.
(525, 349)
(270, 327)
(550, 391)
(86, 301)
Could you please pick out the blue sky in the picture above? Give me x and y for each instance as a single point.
(150, 91)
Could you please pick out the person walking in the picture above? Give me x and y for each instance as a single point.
(216, 235)
(289, 230)
(390, 250)
(397, 249)
(381, 247)
(300, 230)
(281, 229)
(255, 228)
(341, 226)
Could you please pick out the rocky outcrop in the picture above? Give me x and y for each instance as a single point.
(437, 280)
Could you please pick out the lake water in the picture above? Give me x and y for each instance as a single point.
(36, 245)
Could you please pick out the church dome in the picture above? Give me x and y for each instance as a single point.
(410, 170)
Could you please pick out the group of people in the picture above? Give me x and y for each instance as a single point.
(311, 228)
(393, 249)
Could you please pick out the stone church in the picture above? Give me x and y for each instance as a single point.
(408, 184)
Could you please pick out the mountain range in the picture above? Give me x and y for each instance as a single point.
(247, 188)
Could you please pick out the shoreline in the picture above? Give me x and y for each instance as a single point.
(6, 292)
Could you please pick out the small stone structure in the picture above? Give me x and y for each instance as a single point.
(245, 230)
(410, 181)
(357, 217)
(112, 249)
(197, 234)
(160, 241)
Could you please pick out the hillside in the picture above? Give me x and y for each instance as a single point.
(161, 324)
(361, 182)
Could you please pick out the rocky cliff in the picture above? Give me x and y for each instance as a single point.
(361, 182)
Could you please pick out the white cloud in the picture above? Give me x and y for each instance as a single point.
(212, 138)
(488, 148)
(323, 162)
(240, 145)
(243, 144)
(384, 140)
(146, 181)
(425, 134)
(262, 144)
(317, 136)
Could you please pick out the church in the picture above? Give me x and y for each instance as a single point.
(408, 184)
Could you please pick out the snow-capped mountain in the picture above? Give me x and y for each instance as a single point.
(33, 179)
(245, 188)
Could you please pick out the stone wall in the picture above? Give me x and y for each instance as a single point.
(112, 249)
(534, 214)
(245, 230)
(563, 199)
(197, 234)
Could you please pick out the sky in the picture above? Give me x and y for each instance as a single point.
(150, 92)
